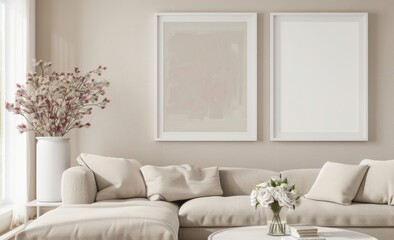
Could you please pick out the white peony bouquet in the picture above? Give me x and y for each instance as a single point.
(276, 194)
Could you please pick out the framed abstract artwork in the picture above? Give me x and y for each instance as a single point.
(319, 76)
(205, 77)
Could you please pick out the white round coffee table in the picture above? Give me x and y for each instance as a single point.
(260, 233)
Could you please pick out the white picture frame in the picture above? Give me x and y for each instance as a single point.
(319, 77)
(178, 81)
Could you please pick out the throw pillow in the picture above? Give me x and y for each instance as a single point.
(115, 177)
(181, 182)
(378, 183)
(337, 183)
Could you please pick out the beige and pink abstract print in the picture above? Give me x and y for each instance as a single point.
(205, 77)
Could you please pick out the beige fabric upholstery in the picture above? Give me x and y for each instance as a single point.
(115, 177)
(337, 183)
(321, 213)
(78, 186)
(236, 211)
(139, 219)
(378, 183)
(181, 182)
(241, 181)
(220, 212)
(302, 178)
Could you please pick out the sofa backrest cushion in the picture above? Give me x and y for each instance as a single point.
(378, 183)
(181, 182)
(241, 181)
(115, 177)
(302, 178)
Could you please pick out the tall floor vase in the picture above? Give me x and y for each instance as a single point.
(53, 158)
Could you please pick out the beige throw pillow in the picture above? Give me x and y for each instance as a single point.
(378, 183)
(115, 177)
(181, 182)
(337, 183)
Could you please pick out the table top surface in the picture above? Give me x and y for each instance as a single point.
(260, 233)
(36, 203)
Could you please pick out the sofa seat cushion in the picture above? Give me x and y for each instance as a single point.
(139, 219)
(138, 201)
(320, 213)
(220, 212)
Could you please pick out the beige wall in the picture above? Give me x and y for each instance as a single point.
(119, 34)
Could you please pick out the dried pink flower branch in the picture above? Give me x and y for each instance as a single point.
(54, 103)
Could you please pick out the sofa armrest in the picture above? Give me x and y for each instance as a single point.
(78, 186)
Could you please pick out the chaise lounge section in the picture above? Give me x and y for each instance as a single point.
(117, 219)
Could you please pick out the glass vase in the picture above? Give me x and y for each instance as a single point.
(276, 219)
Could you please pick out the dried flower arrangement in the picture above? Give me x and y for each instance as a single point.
(54, 103)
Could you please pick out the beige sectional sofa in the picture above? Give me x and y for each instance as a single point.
(82, 218)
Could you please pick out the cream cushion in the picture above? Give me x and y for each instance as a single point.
(220, 212)
(319, 213)
(135, 219)
(181, 182)
(115, 177)
(378, 183)
(337, 183)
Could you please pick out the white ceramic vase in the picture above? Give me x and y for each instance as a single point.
(53, 158)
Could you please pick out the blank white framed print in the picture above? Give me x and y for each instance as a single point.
(205, 77)
(319, 76)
